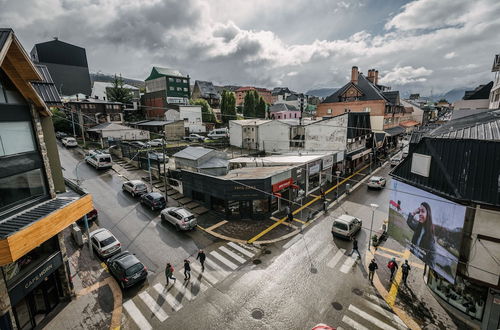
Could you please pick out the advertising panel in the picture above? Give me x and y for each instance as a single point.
(428, 225)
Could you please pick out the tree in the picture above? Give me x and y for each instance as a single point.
(118, 93)
(61, 122)
(228, 106)
(250, 102)
(260, 109)
(207, 115)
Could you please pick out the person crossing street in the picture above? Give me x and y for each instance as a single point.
(355, 247)
(169, 273)
(201, 255)
(405, 269)
(187, 270)
(392, 265)
(372, 267)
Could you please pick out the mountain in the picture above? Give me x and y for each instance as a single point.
(109, 78)
(450, 96)
(322, 92)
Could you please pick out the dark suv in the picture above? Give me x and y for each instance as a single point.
(127, 269)
(154, 200)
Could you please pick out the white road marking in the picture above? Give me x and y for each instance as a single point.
(347, 320)
(370, 318)
(324, 253)
(291, 242)
(241, 249)
(217, 269)
(382, 311)
(224, 260)
(206, 275)
(153, 306)
(336, 258)
(186, 292)
(195, 282)
(136, 315)
(382, 302)
(232, 254)
(168, 297)
(347, 266)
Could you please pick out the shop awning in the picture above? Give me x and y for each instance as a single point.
(358, 153)
(394, 131)
(409, 123)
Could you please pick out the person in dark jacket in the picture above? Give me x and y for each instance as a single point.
(201, 255)
(187, 270)
(355, 247)
(372, 267)
(169, 273)
(423, 233)
(392, 265)
(405, 269)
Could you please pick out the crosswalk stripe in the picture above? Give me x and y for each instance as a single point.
(153, 306)
(224, 260)
(232, 254)
(324, 253)
(241, 249)
(136, 315)
(347, 320)
(184, 289)
(218, 269)
(348, 263)
(336, 258)
(382, 311)
(376, 299)
(204, 274)
(195, 282)
(168, 297)
(370, 318)
(291, 242)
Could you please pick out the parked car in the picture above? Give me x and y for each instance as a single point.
(139, 144)
(104, 243)
(346, 226)
(127, 269)
(377, 182)
(194, 138)
(154, 200)
(60, 135)
(98, 159)
(395, 160)
(218, 133)
(91, 218)
(135, 187)
(155, 143)
(181, 218)
(69, 142)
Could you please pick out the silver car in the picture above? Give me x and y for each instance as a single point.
(104, 243)
(135, 187)
(181, 218)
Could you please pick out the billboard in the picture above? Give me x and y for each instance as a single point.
(428, 225)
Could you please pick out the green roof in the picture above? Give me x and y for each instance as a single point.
(158, 72)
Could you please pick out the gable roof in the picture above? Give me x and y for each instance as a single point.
(366, 87)
(207, 89)
(193, 153)
(282, 107)
(481, 92)
(392, 97)
(158, 72)
(109, 127)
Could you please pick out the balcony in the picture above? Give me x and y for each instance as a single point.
(25, 231)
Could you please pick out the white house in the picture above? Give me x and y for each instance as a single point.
(100, 90)
(191, 114)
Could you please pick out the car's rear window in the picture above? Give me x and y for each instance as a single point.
(141, 186)
(105, 159)
(340, 225)
(190, 217)
(108, 241)
(374, 180)
(134, 269)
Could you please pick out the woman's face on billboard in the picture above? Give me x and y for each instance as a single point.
(422, 214)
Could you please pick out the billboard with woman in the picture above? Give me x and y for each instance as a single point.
(428, 225)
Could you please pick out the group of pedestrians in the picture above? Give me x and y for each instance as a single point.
(393, 266)
(169, 269)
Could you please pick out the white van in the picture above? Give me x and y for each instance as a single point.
(99, 159)
(346, 226)
(218, 133)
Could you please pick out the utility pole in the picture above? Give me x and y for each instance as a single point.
(80, 119)
(164, 165)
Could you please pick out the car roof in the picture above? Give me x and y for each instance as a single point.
(136, 182)
(155, 194)
(376, 178)
(182, 211)
(345, 218)
(126, 259)
(101, 234)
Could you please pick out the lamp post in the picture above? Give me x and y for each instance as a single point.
(374, 207)
(338, 174)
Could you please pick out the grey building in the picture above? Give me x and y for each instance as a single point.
(67, 65)
(202, 160)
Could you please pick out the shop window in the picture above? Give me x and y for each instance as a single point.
(261, 206)
(218, 204)
(234, 208)
(463, 295)
(199, 196)
(313, 182)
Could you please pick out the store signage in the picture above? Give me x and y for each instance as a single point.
(361, 154)
(177, 100)
(33, 279)
(282, 184)
(314, 167)
(327, 162)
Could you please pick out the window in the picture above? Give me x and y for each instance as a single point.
(184, 81)
(178, 80)
(329, 111)
(21, 187)
(116, 107)
(179, 89)
(185, 89)
(368, 109)
(171, 79)
(172, 88)
(16, 137)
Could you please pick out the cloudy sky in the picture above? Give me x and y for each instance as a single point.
(416, 45)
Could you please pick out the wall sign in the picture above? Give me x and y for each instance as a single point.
(282, 184)
(314, 167)
(327, 162)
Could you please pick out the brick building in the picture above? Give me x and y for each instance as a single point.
(242, 91)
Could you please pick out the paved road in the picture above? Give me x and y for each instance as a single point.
(138, 229)
(294, 285)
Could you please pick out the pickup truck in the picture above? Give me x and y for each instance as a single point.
(194, 138)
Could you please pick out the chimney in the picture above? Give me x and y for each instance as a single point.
(375, 78)
(354, 75)
(371, 74)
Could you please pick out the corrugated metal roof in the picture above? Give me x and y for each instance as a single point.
(394, 130)
(481, 126)
(192, 153)
(19, 221)
(207, 89)
(461, 169)
(46, 88)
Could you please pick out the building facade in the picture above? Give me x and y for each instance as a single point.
(263, 92)
(495, 89)
(67, 65)
(190, 114)
(284, 111)
(207, 91)
(100, 91)
(163, 87)
(33, 211)
(90, 112)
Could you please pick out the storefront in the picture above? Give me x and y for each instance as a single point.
(34, 284)
(313, 176)
(326, 169)
(356, 158)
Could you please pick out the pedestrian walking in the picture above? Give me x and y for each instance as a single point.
(355, 247)
(323, 200)
(187, 270)
(405, 269)
(290, 217)
(392, 265)
(201, 255)
(169, 273)
(372, 267)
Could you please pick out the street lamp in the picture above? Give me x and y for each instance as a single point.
(374, 207)
(338, 174)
